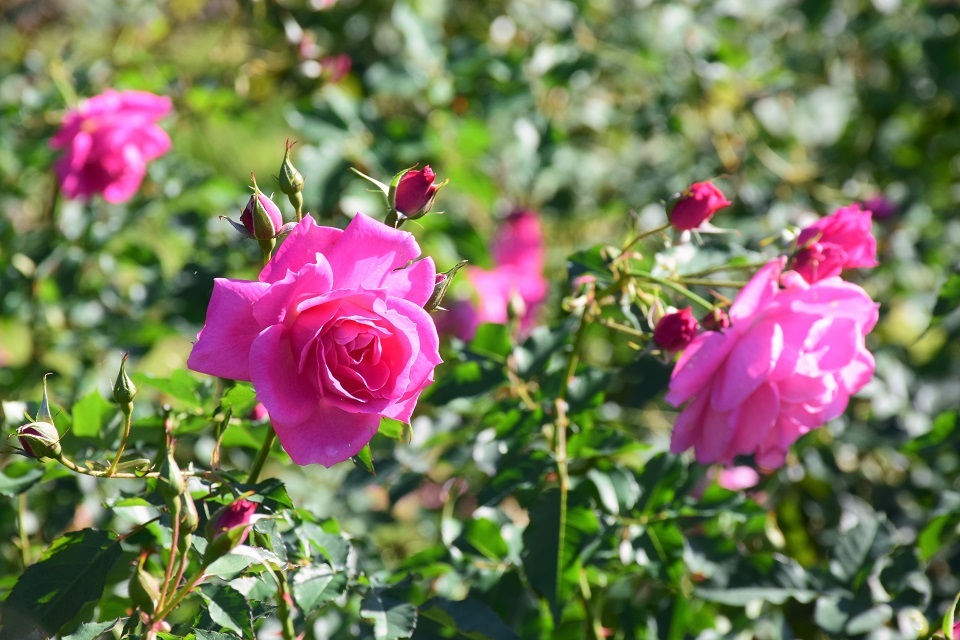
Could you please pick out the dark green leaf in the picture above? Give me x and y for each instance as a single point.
(469, 618)
(949, 298)
(203, 634)
(91, 630)
(228, 608)
(70, 574)
(485, 536)
(392, 619)
(30, 473)
(179, 386)
(314, 586)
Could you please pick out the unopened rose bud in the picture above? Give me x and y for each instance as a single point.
(817, 261)
(170, 484)
(716, 320)
(444, 280)
(675, 330)
(143, 590)
(291, 180)
(189, 521)
(261, 217)
(228, 528)
(124, 391)
(696, 205)
(415, 192)
(39, 440)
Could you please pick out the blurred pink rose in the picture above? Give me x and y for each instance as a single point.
(696, 205)
(333, 335)
(839, 241)
(518, 255)
(108, 141)
(675, 331)
(882, 207)
(737, 478)
(788, 363)
(334, 68)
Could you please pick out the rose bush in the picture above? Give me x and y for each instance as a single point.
(108, 141)
(333, 335)
(787, 364)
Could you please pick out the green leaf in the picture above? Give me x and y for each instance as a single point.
(492, 340)
(203, 634)
(228, 609)
(392, 619)
(229, 565)
(91, 630)
(364, 460)
(469, 618)
(334, 548)
(315, 586)
(87, 415)
(240, 396)
(948, 618)
(51, 592)
(30, 473)
(180, 386)
(949, 298)
(485, 536)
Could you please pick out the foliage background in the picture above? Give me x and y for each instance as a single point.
(583, 111)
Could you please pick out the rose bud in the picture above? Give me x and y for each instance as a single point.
(842, 240)
(696, 205)
(291, 181)
(882, 207)
(228, 528)
(415, 192)
(716, 320)
(675, 330)
(124, 390)
(261, 217)
(39, 440)
(817, 261)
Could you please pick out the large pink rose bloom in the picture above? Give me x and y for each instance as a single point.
(333, 335)
(836, 242)
(108, 141)
(787, 364)
(518, 255)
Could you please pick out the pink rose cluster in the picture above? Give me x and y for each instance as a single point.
(790, 360)
(107, 142)
(333, 335)
(519, 255)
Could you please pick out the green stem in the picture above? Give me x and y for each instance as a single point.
(167, 587)
(127, 422)
(283, 607)
(180, 595)
(670, 284)
(24, 538)
(262, 455)
(705, 282)
(640, 236)
(726, 267)
(73, 466)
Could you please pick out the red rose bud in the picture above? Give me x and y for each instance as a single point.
(676, 330)
(39, 440)
(229, 527)
(416, 192)
(716, 320)
(696, 205)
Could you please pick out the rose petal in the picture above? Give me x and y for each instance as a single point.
(223, 345)
(300, 248)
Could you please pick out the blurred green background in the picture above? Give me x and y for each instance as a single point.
(592, 112)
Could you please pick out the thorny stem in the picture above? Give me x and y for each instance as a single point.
(182, 593)
(127, 422)
(262, 455)
(168, 574)
(562, 422)
(73, 466)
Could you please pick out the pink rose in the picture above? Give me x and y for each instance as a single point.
(675, 331)
(839, 241)
(882, 207)
(519, 255)
(788, 363)
(697, 205)
(333, 335)
(108, 141)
